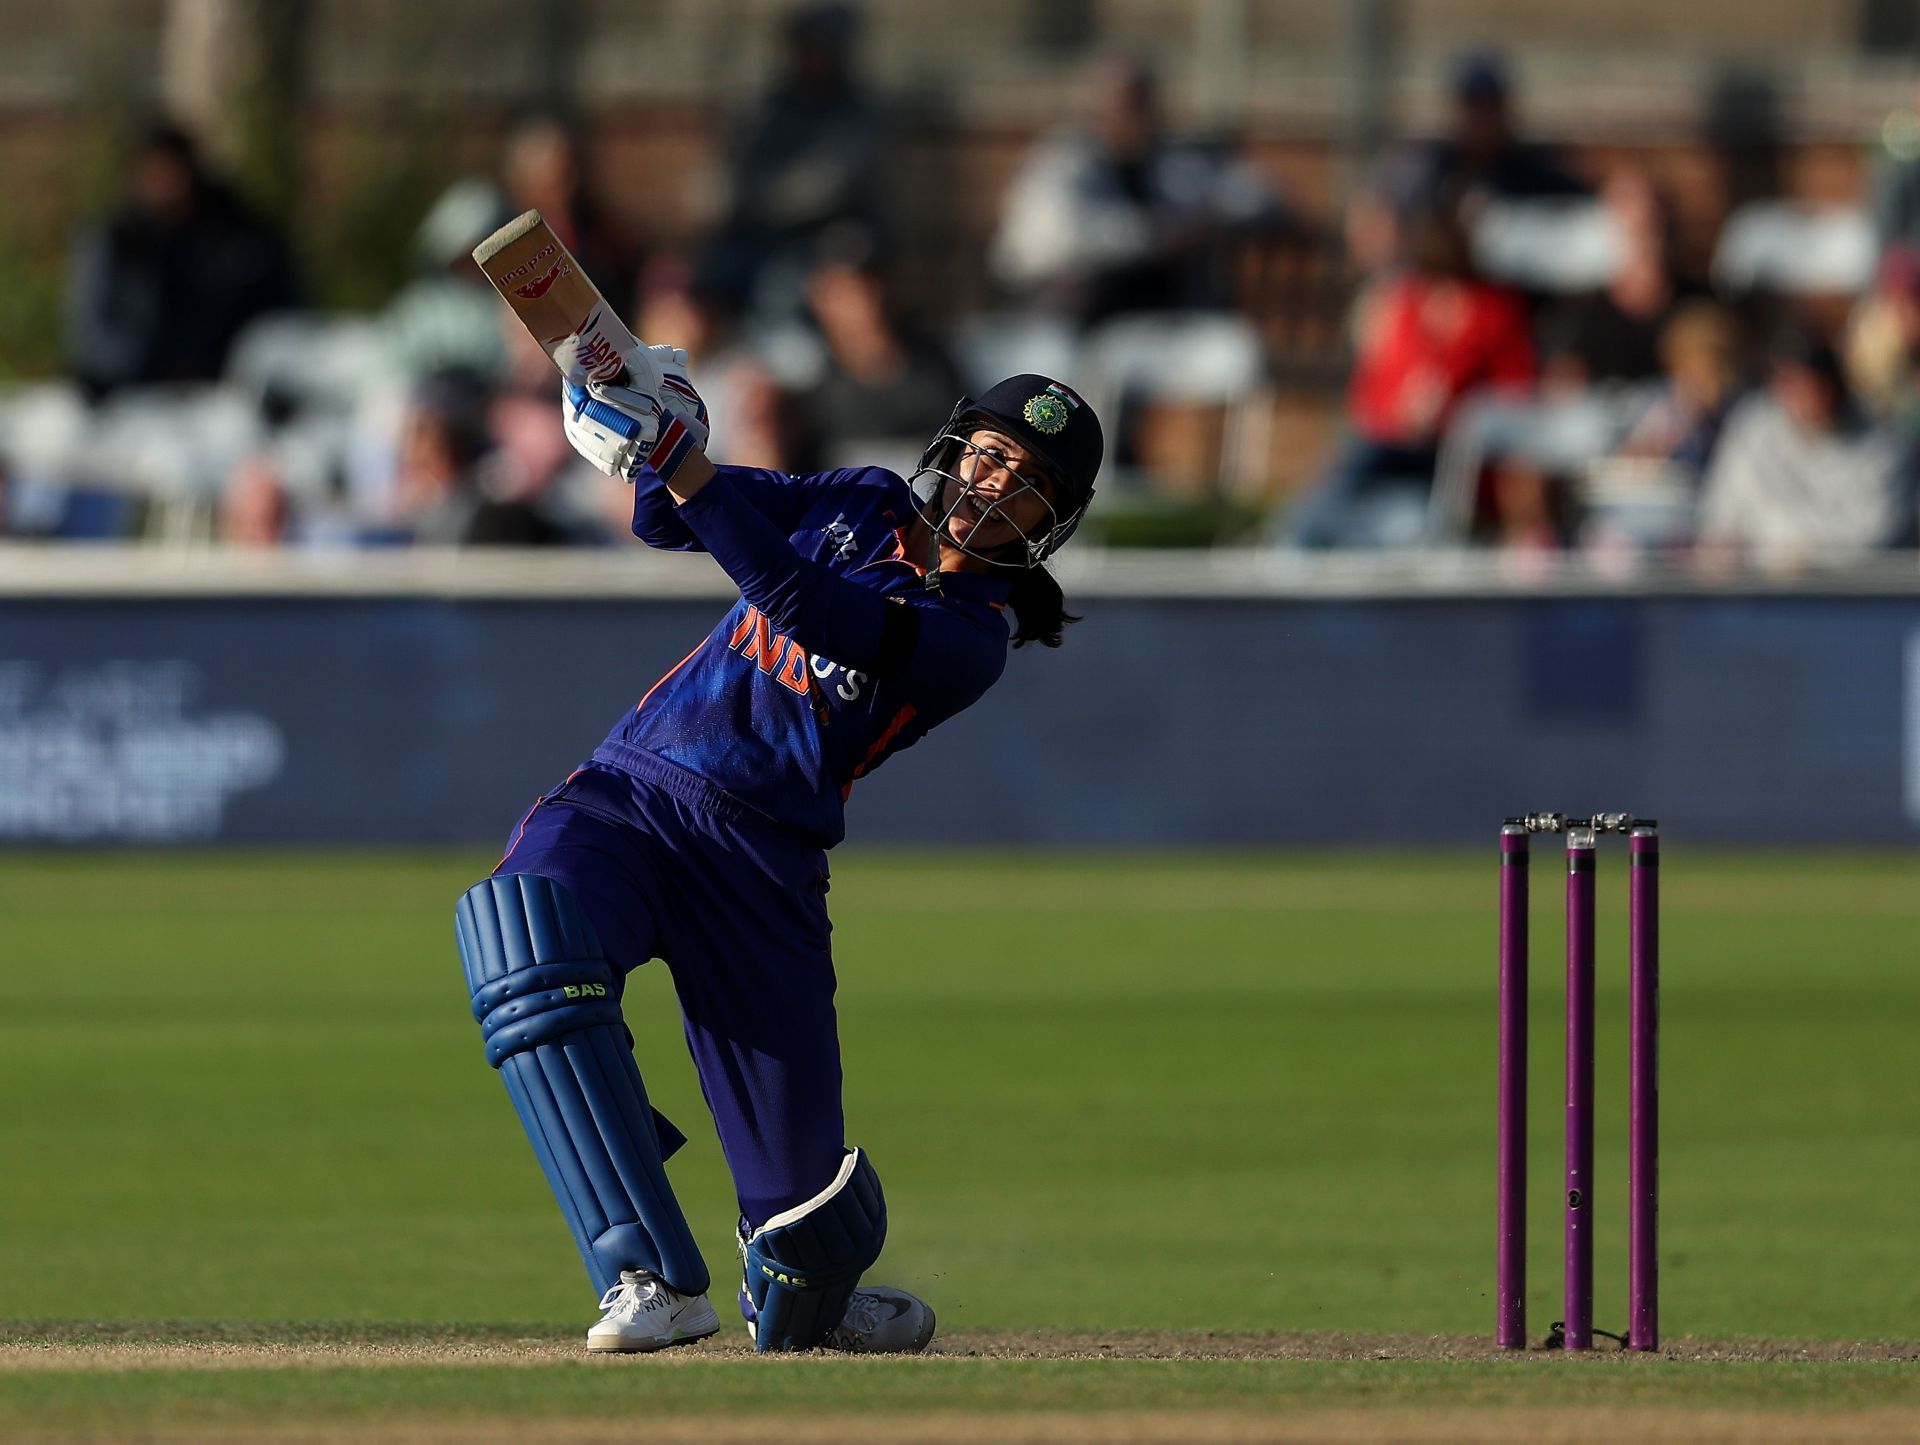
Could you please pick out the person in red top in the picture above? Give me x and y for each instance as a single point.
(1426, 337)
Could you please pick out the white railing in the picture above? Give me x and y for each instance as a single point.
(75, 571)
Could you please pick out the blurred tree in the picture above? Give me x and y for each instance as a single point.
(270, 103)
(112, 72)
(110, 58)
(30, 305)
(234, 72)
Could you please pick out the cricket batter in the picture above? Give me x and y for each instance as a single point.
(871, 609)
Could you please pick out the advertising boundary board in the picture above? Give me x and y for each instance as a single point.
(1164, 721)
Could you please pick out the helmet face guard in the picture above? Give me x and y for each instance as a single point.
(941, 493)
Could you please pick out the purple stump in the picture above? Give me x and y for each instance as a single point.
(1511, 1275)
(1643, 1065)
(1581, 859)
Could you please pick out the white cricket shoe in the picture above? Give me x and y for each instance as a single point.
(644, 1312)
(883, 1321)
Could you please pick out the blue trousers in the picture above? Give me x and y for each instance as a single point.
(736, 908)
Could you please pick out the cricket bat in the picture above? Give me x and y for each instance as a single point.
(555, 300)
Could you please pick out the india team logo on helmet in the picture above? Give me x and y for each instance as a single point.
(1054, 424)
(1045, 413)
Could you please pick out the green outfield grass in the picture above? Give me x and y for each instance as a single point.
(1152, 1098)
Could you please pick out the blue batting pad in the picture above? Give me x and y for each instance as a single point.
(548, 1004)
(801, 1266)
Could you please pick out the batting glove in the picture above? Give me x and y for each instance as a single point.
(616, 435)
(678, 396)
(657, 418)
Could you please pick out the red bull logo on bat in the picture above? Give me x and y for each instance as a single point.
(531, 264)
(534, 290)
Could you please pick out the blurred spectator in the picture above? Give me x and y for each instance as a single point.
(443, 437)
(255, 510)
(1896, 181)
(1883, 361)
(1114, 216)
(767, 427)
(1683, 420)
(159, 290)
(756, 422)
(533, 489)
(1615, 334)
(544, 170)
(678, 308)
(1426, 337)
(1479, 158)
(1642, 495)
(885, 381)
(1883, 343)
(810, 155)
(448, 316)
(1800, 475)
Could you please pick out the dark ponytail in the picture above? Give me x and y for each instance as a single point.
(1039, 607)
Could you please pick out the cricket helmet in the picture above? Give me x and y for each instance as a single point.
(1048, 419)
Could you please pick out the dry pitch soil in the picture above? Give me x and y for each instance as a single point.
(160, 1347)
(103, 1350)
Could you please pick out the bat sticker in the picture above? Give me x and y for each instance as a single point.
(534, 290)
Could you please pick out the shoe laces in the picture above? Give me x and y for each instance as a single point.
(862, 1316)
(637, 1293)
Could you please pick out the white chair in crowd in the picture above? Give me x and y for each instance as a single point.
(1191, 358)
(43, 428)
(1559, 435)
(1558, 246)
(174, 445)
(1000, 344)
(309, 360)
(1791, 249)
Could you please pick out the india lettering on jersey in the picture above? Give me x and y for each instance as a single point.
(781, 658)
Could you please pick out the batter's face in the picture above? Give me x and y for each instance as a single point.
(1011, 494)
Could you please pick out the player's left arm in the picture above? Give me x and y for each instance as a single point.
(647, 431)
(938, 649)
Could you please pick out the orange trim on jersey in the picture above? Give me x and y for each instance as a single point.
(519, 832)
(880, 745)
(527, 817)
(899, 554)
(746, 626)
(669, 673)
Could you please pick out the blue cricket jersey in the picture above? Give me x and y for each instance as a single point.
(803, 687)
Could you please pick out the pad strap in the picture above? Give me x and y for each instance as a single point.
(801, 1266)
